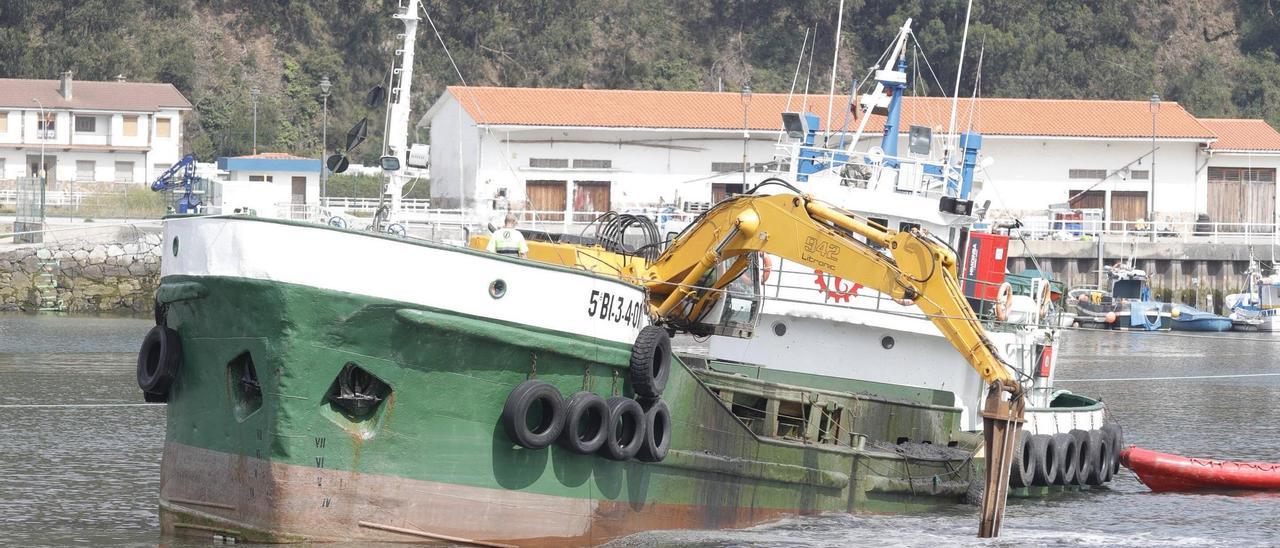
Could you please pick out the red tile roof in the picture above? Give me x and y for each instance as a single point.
(122, 96)
(1240, 134)
(723, 111)
(274, 156)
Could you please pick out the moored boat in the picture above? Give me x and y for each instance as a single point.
(1163, 472)
(1189, 318)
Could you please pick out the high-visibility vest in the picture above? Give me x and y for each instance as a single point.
(508, 241)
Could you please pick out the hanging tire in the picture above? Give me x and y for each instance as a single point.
(1046, 469)
(158, 362)
(624, 431)
(584, 423)
(1101, 459)
(657, 433)
(534, 414)
(1113, 431)
(1086, 456)
(1066, 452)
(1022, 467)
(650, 362)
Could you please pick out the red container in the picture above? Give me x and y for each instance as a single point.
(985, 258)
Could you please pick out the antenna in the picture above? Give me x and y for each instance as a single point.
(835, 58)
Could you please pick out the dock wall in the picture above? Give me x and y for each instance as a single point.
(1178, 271)
(111, 270)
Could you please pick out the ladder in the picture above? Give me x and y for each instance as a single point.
(47, 286)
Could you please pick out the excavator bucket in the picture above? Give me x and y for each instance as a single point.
(1001, 422)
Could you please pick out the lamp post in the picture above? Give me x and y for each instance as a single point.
(254, 92)
(325, 86)
(1154, 105)
(40, 134)
(746, 135)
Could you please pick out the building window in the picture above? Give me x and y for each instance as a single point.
(3, 175)
(726, 167)
(4, 122)
(86, 124)
(549, 163)
(1139, 174)
(1242, 174)
(261, 179)
(163, 127)
(1087, 174)
(593, 164)
(130, 128)
(124, 172)
(47, 128)
(84, 170)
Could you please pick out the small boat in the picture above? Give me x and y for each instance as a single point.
(1188, 318)
(1163, 472)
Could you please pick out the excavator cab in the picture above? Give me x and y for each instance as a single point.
(737, 308)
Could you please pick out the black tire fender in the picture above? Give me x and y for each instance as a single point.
(1022, 467)
(584, 423)
(1046, 469)
(1102, 458)
(159, 360)
(657, 433)
(650, 362)
(517, 413)
(625, 431)
(1116, 433)
(1067, 453)
(1086, 455)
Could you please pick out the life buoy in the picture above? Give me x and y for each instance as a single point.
(1023, 467)
(1045, 298)
(158, 362)
(650, 362)
(1004, 300)
(766, 267)
(548, 421)
(1064, 449)
(1086, 464)
(624, 430)
(1046, 461)
(584, 423)
(657, 433)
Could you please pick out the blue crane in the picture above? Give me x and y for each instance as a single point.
(181, 175)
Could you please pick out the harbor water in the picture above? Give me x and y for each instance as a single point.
(80, 452)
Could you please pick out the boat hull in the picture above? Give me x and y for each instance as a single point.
(1163, 472)
(432, 461)
(1203, 324)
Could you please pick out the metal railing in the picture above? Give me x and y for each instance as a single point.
(1159, 231)
(371, 204)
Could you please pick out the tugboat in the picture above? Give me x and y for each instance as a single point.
(392, 389)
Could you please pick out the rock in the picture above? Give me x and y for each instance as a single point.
(80, 256)
(153, 239)
(98, 255)
(44, 253)
(132, 249)
(93, 272)
(114, 250)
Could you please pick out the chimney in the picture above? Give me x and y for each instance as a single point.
(66, 85)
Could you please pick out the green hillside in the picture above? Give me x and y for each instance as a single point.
(1216, 57)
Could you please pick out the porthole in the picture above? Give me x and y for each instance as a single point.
(497, 289)
(886, 342)
(779, 328)
(175, 246)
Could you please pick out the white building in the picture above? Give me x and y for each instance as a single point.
(123, 132)
(267, 182)
(573, 150)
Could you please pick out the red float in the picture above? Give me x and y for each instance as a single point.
(1163, 472)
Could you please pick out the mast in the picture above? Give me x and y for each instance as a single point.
(396, 142)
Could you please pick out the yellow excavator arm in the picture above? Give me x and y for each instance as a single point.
(918, 269)
(801, 229)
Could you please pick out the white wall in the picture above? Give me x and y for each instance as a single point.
(108, 131)
(454, 154)
(282, 179)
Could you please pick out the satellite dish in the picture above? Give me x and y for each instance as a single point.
(338, 163)
(357, 133)
(875, 155)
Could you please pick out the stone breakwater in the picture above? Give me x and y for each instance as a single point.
(82, 275)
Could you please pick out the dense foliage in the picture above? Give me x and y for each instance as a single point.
(1217, 57)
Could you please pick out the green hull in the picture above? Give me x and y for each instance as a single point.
(433, 462)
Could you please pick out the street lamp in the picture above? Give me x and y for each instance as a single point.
(746, 135)
(40, 132)
(254, 92)
(1154, 105)
(325, 86)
